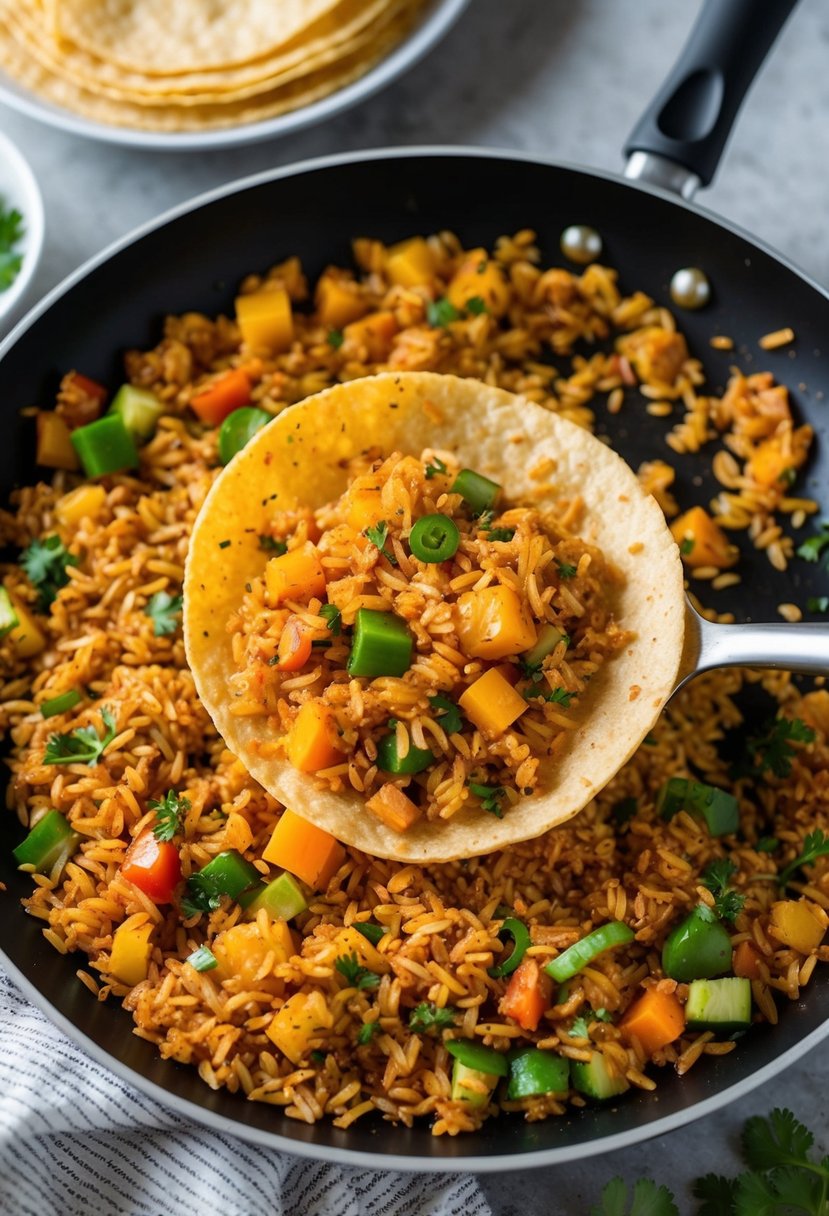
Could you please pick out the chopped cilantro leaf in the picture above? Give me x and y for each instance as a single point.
(451, 720)
(434, 467)
(11, 233)
(500, 534)
(201, 895)
(812, 548)
(169, 813)
(45, 562)
(427, 1016)
(686, 545)
(81, 746)
(475, 305)
(164, 611)
(623, 810)
(788, 477)
(728, 904)
(224, 544)
(367, 1032)
(566, 569)
(271, 545)
(772, 750)
(490, 796)
(378, 535)
(333, 618)
(555, 696)
(767, 844)
(357, 976)
(579, 1029)
(335, 338)
(442, 312)
(817, 603)
(815, 845)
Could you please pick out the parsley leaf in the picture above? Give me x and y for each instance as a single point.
(767, 844)
(333, 618)
(773, 750)
(442, 312)
(169, 813)
(203, 959)
(81, 746)
(579, 1029)
(647, 1199)
(566, 569)
(201, 894)
(490, 796)
(475, 305)
(556, 696)
(812, 548)
(434, 467)
(817, 603)
(269, 544)
(500, 534)
(335, 338)
(815, 845)
(428, 1016)
(378, 535)
(686, 545)
(728, 904)
(367, 1032)
(45, 562)
(778, 1140)
(357, 976)
(164, 611)
(11, 233)
(451, 720)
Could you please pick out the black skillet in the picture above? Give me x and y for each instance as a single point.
(194, 257)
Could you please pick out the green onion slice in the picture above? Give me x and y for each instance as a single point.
(475, 1055)
(583, 953)
(434, 538)
(476, 490)
(60, 704)
(203, 959)
(520, 934)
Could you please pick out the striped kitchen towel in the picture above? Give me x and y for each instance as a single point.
(76, 1141)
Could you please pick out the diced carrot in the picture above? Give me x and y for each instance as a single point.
(305, 850)
(297, 575)
(300, 1023)
(54, 445)
(527, 995)
(295, 643)
(393, 808)
(493, 623)
(83, 503)
(265, 319)
(410, 263)
(339, 300)
(797, 923)
(230, 392)
(745, 961)
(365, 507)
(372, 335)
(312, 742)
(702, 541)
(478, 277)
(492, 703)
(654, 1020)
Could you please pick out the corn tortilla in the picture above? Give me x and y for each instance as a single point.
(299, 458)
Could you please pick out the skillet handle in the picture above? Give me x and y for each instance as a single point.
(678, 141)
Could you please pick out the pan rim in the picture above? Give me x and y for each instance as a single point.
(271, 1139)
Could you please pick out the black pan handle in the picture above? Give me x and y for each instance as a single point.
(680, 138)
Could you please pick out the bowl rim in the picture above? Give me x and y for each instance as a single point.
(429, 31)
(30, 203)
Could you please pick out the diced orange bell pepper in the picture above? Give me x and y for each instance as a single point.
(305, 850)
(372, 335)
(129, 960)
(54, 446)
(230, 392)
(295, 644)
(364, 505)
(797, 923)
(771, 461)
(745, 961)
(410, 263)
(493, 623)
(83, 503)
(492, 703)
(313, 739)
(296, 575)
(393, 808)
(300, 1023)
(654, 1020)
(478, 277)
(702, 541)
(339, 300)
(527, 995)
(265, 319)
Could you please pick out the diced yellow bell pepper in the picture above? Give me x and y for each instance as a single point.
(131, 950)
(297, 575)
(300, 1024)
(411, 263)
(26, 636)
(797, 923)
(243, 950)
(365, 507)
(339, 301)
(478, 277)
(493, 623)
(303, 849)
(351, 941)
(372, 334)
(54, 446)
(492, 703)
(265, 319)
(83, 503)
(702, 541)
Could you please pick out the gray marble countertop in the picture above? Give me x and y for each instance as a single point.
(565, 80)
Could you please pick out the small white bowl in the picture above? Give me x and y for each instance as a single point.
(18, 188)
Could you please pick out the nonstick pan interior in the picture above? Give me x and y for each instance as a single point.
(194, 261)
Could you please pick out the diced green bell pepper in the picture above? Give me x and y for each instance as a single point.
(282, 899)
(476, 490)
(382, 645)
(371, 932)
(582, 953)
(138, 409)
(472, 1086)
(478, 1056)
(229, 874)
(49, 839)
(415, 761)
(698, 949)
(720, 810)
(238, 429)
(594, 1079)
(105, 446)
(533, 1072)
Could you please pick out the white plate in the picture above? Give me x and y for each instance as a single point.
(19, 189)
(440, 15)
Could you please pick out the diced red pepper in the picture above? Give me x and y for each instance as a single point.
(153, 866)
(527, 995)
(90, 387)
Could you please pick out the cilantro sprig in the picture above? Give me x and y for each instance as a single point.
(555, 696)
(772, 750)
(164, 611)
(442, 312)
(83, 745)
(500, 534)
(270, 544)
(566, 569)
(333, 618)
(355, 973)
(11, 234)
(490, 796)
(451, 718)
(728, 903)
(815, 845)
(580, 1028)
(812, 549)
(169, 814)
(378, 534)
(646, 1199)
(367, 1032)
(435, 466)
(46, 562)
(427, 1016)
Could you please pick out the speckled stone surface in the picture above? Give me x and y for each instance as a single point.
(565, 80)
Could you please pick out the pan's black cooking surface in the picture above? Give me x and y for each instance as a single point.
(195, 262)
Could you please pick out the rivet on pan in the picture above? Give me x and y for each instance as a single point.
(581, 244)
(690, 288)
